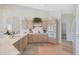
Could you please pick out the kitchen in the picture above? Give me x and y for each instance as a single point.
(21, 26)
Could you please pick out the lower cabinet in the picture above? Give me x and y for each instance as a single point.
(34, 38)
(21, 44)
(43, 38)
(53, 40)
(30, 38)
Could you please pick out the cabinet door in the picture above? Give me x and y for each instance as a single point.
(16, 45)
(30, 38)
(35, 38)
(40, 38)
(43, 38)
(24, 43)
(20, 46)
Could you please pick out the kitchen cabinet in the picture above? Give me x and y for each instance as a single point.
(53, 40)
(30, 37)
(43, 38)
(21, 44)
(34, 38)
(51, 36)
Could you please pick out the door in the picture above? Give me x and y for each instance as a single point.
(63, 33)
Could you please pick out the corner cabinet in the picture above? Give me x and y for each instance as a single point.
(21, 45)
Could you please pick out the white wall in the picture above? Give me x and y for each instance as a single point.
(67, 16)
(17, 13)
(1, 17)
(68, 20)
(57, 16)
(16, 10)
(66, 8)
(76, 43)
(21, 12)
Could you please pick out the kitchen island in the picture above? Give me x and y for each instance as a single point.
(37, 38)
(17, 44)
(13, 46)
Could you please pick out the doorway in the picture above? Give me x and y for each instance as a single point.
(63, 34)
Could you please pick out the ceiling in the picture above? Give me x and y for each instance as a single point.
(51, 7)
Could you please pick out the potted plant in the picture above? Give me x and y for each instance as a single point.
(37, 20)
(8, 33)
(44, 30)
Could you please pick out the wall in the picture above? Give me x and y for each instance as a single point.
(1, 17)
(16, 10)
(16, 13)
(13, 14)
(57, 16)
(68, 20)
(20, 12)
(76, 37)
